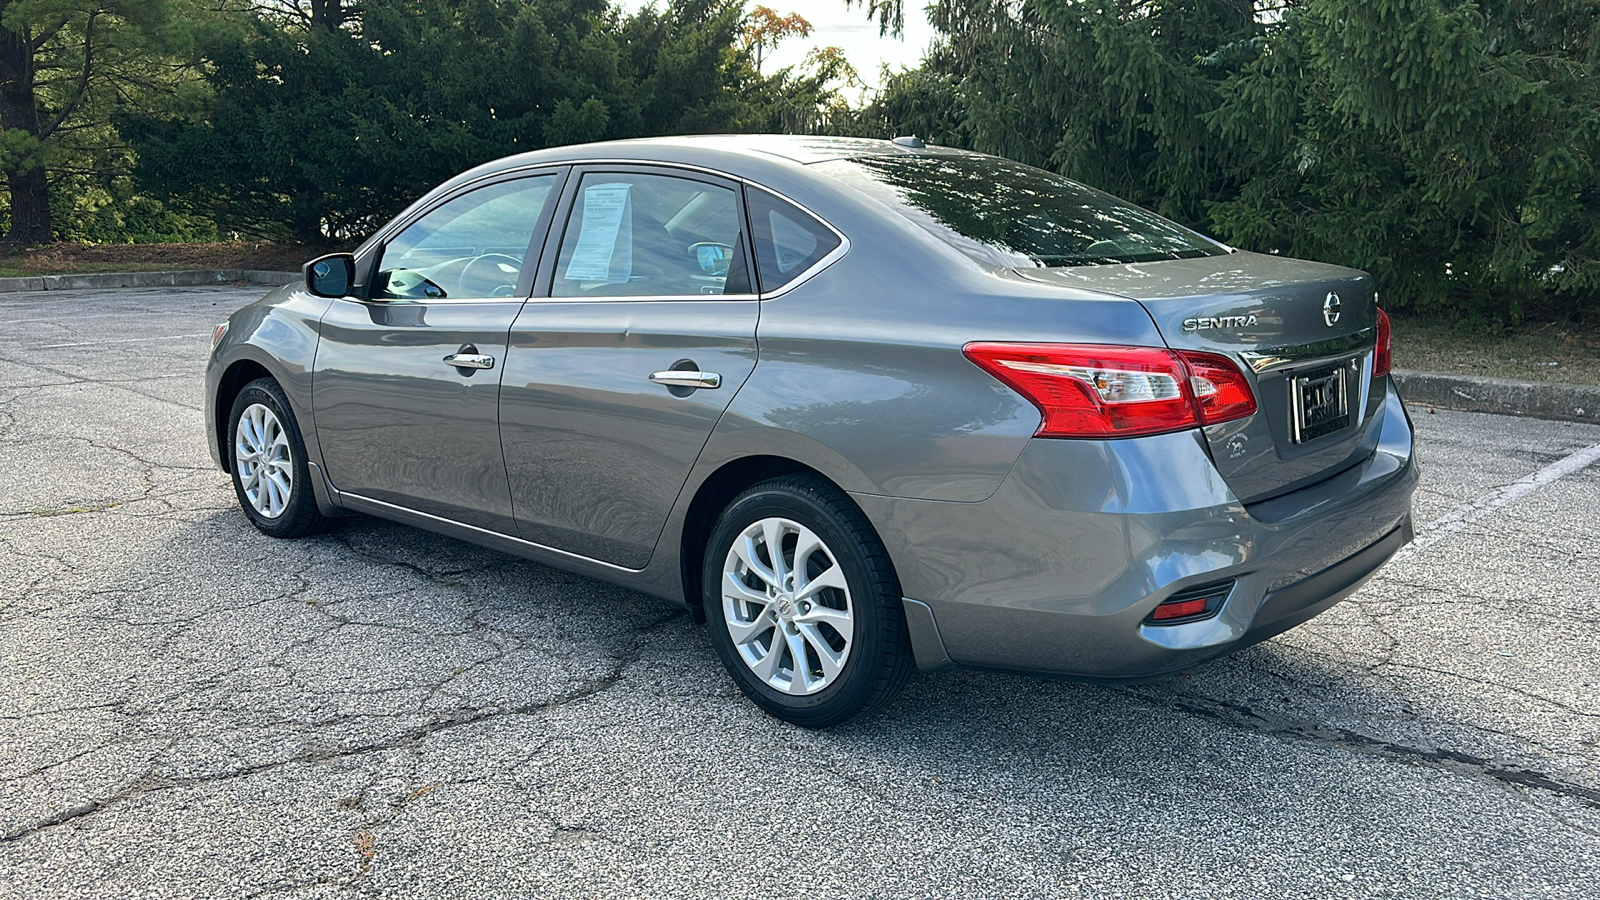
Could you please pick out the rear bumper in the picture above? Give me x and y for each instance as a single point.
(1310, 597)
(1058, 571)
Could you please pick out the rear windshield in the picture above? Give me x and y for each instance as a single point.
(1005, 213)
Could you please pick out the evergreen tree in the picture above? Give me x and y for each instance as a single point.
(1106, 91)
(327, 118)
(65, 67)
(1447, 146)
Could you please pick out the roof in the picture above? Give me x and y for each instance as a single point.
(759, 156)
(791, 148)
(800, 148)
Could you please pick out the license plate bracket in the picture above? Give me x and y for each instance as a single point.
(1320, 402)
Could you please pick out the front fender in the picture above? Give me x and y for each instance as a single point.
(276, 336)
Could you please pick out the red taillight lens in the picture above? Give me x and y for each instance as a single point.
(1383, 354)
(1088, 390)
(1220, 391)
(1095, 390)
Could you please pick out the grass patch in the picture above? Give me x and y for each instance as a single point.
(23, 271)
(1527, 352)
(77, 259)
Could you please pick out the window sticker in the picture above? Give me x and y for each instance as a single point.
(604, 251)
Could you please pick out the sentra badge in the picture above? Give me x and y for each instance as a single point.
(1209, 323)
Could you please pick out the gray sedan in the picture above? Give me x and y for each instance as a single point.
(861, 406)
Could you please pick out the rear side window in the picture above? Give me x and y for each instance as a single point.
(639, 235)
(789, 240)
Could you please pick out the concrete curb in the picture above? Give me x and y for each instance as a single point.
(144, 279)
(1538, 399)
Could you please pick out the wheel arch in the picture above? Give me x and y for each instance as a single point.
(713, 496)
(233, 380)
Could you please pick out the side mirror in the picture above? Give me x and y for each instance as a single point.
(331, 275)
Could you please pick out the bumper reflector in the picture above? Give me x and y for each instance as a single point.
(1191, 605)
(1183, 609)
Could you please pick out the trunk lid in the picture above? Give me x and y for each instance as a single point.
(1302, 332)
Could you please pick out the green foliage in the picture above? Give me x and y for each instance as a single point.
(66, 66)
(112, 211)
(1449, 147)
(327, 126)
(1106, 92)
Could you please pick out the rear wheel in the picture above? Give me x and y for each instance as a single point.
(268, 459)
(802, 604)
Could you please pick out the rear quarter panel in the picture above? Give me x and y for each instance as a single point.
(861, 374)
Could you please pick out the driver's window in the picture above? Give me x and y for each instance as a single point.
(634, 235)
(470, 247)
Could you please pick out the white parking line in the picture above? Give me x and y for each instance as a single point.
(1464, 515)
(164, 337)
(120, 314)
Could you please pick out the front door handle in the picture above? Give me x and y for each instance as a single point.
(688, 378)
(470, 361)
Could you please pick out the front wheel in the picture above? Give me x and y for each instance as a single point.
(268, 456)
(803, 606)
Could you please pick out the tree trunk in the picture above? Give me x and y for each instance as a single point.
(30, 207)
(329, 14)
(19, 110)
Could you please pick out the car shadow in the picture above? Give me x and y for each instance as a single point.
(526, 592)
(383, 575)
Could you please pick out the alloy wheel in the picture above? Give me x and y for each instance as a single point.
(787, 606)
(266, 464)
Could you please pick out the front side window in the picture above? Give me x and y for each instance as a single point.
(636, 235)
(470, 247)
(1005, 213)
(788, 240)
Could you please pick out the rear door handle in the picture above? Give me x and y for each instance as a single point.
(470, 361)
(688, 378)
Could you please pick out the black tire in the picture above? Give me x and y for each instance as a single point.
(877, 661)
(298, 515)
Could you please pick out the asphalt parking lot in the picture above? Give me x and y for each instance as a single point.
(189, 708)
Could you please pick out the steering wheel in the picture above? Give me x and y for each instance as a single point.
(496, 269)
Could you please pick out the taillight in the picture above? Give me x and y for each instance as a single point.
(1383, 354)
(1095, 390)
(1220, 391)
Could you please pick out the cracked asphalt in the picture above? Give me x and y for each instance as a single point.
(191, 709)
